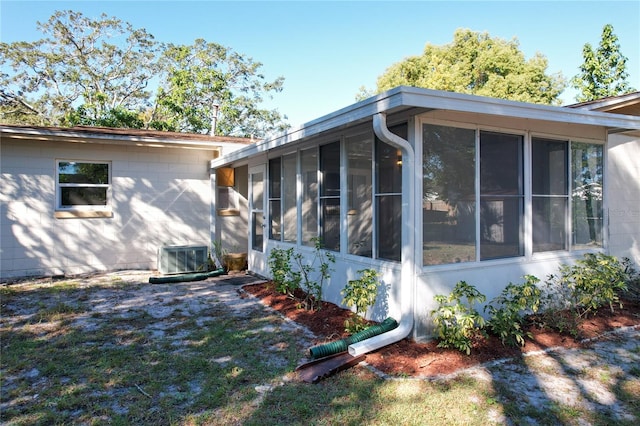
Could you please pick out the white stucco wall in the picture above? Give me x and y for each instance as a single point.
(623, 184)
(159, 196)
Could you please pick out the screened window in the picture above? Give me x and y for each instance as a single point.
(388, 199)
(289, 202)
(309, 176)
(330, 196)
(275, 198)
(83, 185)
(359, 183)
(586, 195)
(449, 200)
(501, 195)
(550, 196)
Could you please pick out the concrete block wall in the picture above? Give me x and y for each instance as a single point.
(159, 196)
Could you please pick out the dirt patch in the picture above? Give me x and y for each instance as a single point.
(408, 358)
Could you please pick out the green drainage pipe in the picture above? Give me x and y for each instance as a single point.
(342, 345)
(196, 276)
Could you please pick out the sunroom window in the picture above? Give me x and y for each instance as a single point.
(449, 200)
(501, 195)
(586, 195)
(83, 185)
(550, 196)
(330, 196)
(359, 182)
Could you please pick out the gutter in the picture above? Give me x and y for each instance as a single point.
(407, 275)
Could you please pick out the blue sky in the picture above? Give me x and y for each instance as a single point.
(327, 50)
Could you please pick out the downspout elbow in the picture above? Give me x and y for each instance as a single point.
(407, 275)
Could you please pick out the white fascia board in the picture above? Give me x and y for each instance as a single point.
(107, 139)
(404, 97)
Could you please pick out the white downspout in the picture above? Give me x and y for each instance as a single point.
(407, 275)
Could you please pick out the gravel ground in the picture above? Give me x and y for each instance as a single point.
(572, 377)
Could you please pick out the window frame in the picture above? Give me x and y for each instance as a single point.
(83, 210)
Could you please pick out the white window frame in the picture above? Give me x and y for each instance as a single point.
(81, 210)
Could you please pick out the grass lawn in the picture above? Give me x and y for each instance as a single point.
(120, 351)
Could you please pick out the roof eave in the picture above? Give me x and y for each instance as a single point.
(404, 97)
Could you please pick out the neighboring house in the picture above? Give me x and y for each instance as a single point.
(430, 188)
(85, 199)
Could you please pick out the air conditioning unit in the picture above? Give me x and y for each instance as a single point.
(182, 259)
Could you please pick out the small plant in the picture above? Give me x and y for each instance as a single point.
(286, 281)
(290, 271)
(311, 287)
(361, 294)
(507, 311)
(217, 253)
(457, 322)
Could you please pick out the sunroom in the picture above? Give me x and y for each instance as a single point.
(428, 188)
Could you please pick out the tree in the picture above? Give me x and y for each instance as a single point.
(101, 72)
(206, 80)
(603, 72)
(91, 65)
(478, 64)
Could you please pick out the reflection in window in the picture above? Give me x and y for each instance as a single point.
(501, 195)
(330, 196)
(549, 194)
(586, 195)
(82, 184)
(360, 211)
(448, 199)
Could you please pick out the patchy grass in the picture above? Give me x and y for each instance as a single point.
(113, 351)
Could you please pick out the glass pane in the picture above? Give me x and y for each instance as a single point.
(275, 220)
(549, 171)
(90, 173)
(549, 224)
(360, 213)
(330, 168)
(500, 164)
(389, 209)
(257, 191)
(448, 201)
(500, 227)
(257, 238)
(587, 178)
(330, 226)
(275, 175)
(79, 196)
(388, 168)
(309, 170)
(290, 201)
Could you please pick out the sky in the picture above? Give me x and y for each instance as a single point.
(327, 50)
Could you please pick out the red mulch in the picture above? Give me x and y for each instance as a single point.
(408, 358)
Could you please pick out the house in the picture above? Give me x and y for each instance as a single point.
(430, 188)
(85, 199)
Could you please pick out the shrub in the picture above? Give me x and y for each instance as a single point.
(457, 322)
(361, 294)
(285, 280)
(594, 281)
(507, 311)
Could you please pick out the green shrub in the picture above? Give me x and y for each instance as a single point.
(594, 281)
(361, 294)
(507, 311)
(457, 322)
(284, 278)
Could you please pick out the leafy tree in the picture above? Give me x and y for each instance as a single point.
(603, 72)
(478, 64)
(90, 65)
(100, 72)
(203, 77)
